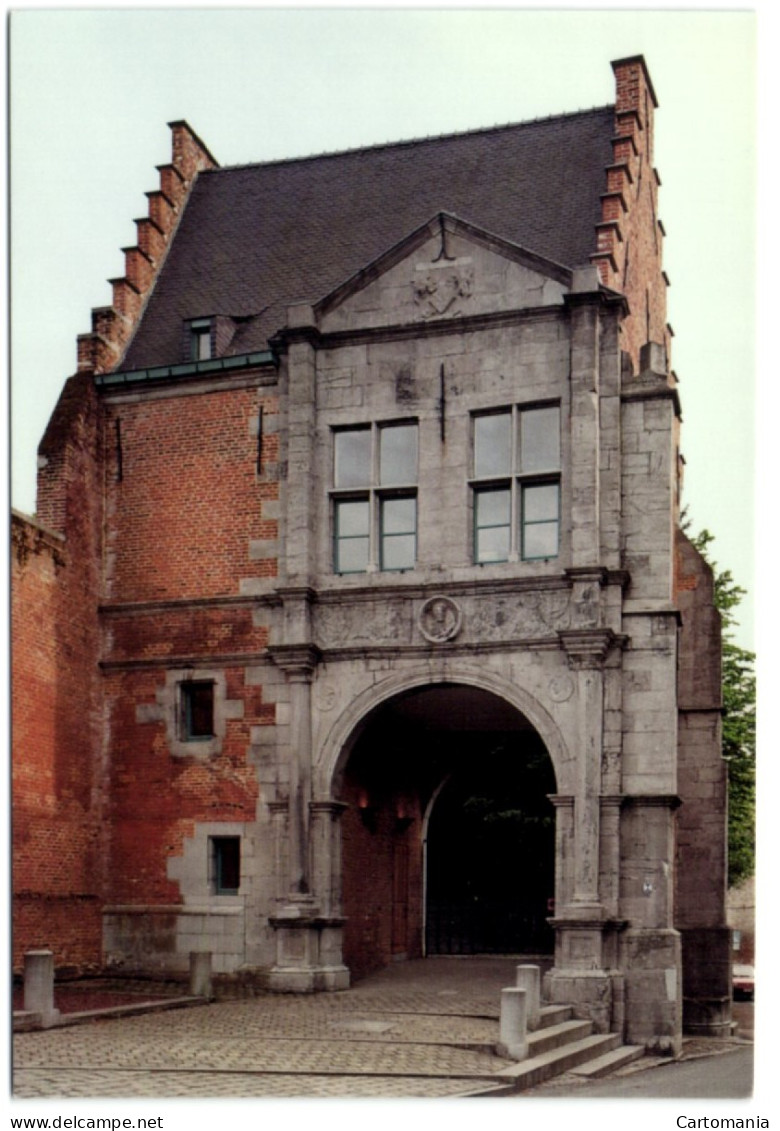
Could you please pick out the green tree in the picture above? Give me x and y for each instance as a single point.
(739, 721)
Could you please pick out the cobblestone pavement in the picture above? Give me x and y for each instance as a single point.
(418, 1029)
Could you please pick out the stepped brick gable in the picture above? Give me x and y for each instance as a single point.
(355, 623)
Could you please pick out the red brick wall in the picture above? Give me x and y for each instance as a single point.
(57, 790)
(383, 913)
(630, 237)
(57, 835)
(189, 502)
(156, 797)
(180, 521)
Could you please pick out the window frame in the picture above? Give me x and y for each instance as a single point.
(376, 494)
(516, 481)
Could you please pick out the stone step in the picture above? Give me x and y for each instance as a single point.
(554, 1015)
(609, 1062)
(528, 1073)
(554, 1036)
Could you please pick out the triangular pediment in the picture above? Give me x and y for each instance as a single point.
(445, 269)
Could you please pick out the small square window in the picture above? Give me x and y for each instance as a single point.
(197, 711)
(226, 864)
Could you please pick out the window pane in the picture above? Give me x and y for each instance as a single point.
(540, 439)
(399, 516)
(492, 508)
(492, 544)
(540, 540)
(492, 445)
(540, 503)
(353, 458)
(198, 710)
(398, 454)
(201, 345)
(352, 518)
(351, 555)
(227, 863)
(398, 551)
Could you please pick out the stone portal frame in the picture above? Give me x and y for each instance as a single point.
(339, 743)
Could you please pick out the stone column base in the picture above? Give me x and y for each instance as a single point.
(651, 960)
(308, 956)
(590, 993)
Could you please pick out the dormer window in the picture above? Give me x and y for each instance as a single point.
(200, 339)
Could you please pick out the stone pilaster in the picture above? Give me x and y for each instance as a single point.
(584, 305)
(298, 661)
(585, 946)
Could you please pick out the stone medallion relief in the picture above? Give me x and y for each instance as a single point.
(440, 620)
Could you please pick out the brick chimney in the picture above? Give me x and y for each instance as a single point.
(101, 350)
(629, 237)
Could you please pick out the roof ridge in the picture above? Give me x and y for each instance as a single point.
(405, 142)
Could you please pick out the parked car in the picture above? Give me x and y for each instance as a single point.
(743, 982)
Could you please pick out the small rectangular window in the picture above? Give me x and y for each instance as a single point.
(492, 445)
(492, 524)
(398, 533)
(351, 535)
(200, 339)
(397, 455)
(197, 711)
(540, 443)
(540, 520)
(352, 458)
(226, 864)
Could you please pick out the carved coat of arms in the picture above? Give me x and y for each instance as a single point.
(438, 290)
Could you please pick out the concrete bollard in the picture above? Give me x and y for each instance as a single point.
(200, 973)
(513, 1040)
(39, 986)
(529, 979)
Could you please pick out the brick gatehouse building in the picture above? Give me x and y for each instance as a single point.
(356, 622)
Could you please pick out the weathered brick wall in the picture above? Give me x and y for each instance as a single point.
(188, 513)
(57, 835)
(156, 796)
(630, 237)
(382, 884)
(190, 520)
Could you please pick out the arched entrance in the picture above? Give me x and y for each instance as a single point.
(448, 838)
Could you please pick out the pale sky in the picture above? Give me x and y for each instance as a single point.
(91, 92)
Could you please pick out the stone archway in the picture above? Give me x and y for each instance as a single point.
(487, 767)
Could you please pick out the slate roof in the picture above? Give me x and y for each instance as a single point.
(254, 238)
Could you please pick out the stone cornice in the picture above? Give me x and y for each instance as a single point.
(335, 339)
(209, 660)
(295, 659)
(183, 604)
(647, 391)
